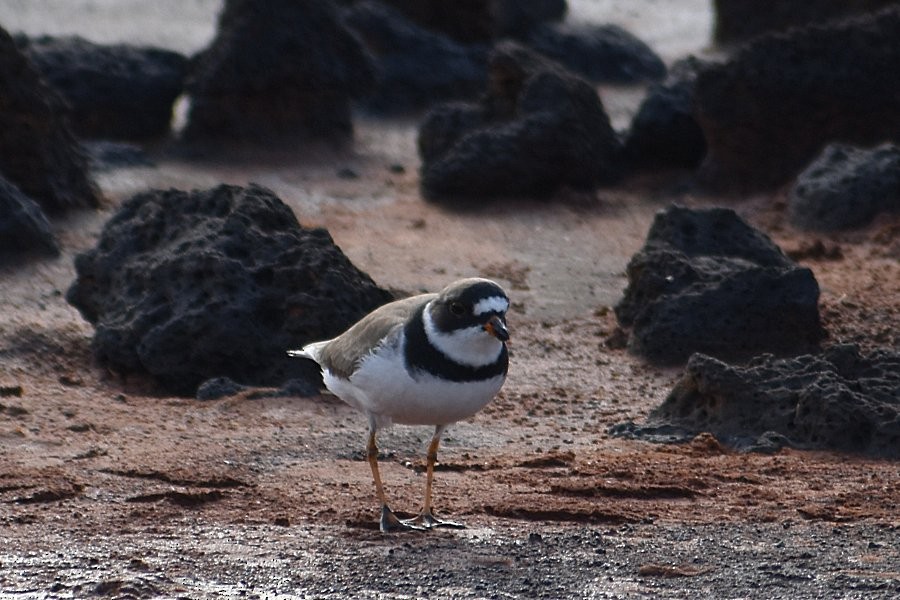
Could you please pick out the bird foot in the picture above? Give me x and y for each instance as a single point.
(390, 523)
(427, 520)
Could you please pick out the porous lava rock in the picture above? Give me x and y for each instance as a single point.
(739, 20)
(187, 286)
(769, 110)
(846, 187)
(115, 91)
(706, 281)
(24, 228)
(664, 132)
(601, 53)
(38, 151)
(481, 21)
(538, 128)
(415, 67)
(277, 71)
(842, 399)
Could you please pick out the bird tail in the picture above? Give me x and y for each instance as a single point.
(310, 351)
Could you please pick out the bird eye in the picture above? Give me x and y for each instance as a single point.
(457, 308)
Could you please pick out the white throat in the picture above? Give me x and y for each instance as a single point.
(472, 347)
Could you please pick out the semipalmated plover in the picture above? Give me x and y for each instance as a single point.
(430, 359)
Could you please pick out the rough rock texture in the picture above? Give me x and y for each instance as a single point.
(739, 20)
(538, 128)
(113, 91)
(768, 111)
(705, 281)
(841, 399)
(664, 132)
(415, 67)
(38, 152)
(23, 226)
(277, 71)
(472, 21)
(192, 285)
(604, 53)
(846, 187)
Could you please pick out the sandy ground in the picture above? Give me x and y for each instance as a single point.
(108, 489)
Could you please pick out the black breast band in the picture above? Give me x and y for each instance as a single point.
(422, 356)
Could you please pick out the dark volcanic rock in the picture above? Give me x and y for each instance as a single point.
(664, 132)
(416, 67)
(846, 187)
(705, 281)
(739, 20)
(105, 155)
(444, 125)
(774, 106)
(221, 387)
(114, 92)
(23, 226)
(474, 21)
(605, 53)
(538, 128)
(38, 152)
(515, 18)
(279, 70)
(188, 286)
(841, 399)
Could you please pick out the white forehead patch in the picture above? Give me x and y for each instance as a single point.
(493, 304)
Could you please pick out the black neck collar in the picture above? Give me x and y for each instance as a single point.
(422, 356)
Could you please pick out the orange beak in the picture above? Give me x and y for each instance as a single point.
(497, 328)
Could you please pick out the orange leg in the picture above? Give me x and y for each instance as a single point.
(389, 521)
(426, 518)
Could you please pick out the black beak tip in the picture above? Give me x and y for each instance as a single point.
(497, 328)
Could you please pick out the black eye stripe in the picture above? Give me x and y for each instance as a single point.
(484, 296)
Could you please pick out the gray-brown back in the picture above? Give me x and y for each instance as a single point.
(343, 354)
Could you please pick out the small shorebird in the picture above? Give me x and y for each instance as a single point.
(431, 359)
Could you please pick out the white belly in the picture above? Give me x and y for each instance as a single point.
(384, 389)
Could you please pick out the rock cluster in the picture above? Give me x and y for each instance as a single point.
(38, 151)
(705, 281)
(416, 67)
(842, 399)
(846, 187)
(538, 128)
(188, 286)
(664, 132)
(429, 52)
(118, 92)
(602, 53)
(770, 109)
(277, 71)
(24, 228)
